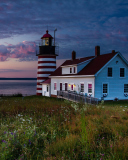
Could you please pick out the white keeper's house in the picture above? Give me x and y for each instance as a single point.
(100, 75)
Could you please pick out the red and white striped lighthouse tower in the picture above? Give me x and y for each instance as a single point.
(46, 60)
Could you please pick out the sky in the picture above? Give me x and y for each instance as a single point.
(81, 25)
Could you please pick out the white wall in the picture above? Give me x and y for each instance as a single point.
(71, 80)
(66, 70)
(44, 90)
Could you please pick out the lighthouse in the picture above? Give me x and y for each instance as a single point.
(46, 59)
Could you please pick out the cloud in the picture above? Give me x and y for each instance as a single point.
(88, 22)
(25, 51)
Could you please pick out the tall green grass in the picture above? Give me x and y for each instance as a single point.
(51, 129)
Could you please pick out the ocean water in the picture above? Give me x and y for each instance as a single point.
(25, 87)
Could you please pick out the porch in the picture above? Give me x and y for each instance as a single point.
(73, 96)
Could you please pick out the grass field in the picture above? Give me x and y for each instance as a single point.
(51, 129)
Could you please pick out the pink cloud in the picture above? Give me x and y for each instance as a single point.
(24, 50)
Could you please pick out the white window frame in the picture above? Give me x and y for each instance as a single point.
(80, 87)
(62, 86)
(70, 70)
(124, 72)
(71, 87)
(88, 88)
(74, 68)
(54, 86)
(67, 85)
(47, 88)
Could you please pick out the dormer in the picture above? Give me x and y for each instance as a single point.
(74, 65)
(71, 69)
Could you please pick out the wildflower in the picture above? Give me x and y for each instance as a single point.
(4, 141)
(103, 138)
(125, 106)
(123, 109)
(29, 142)
(120, 106)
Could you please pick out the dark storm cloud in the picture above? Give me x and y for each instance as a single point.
(81, 25)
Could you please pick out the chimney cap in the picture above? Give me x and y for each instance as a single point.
(73, 55)
(97, 50)
(113, 51)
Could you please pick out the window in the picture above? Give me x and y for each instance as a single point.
(70, 70)
(105, 88)
(46, 41)
(89, 88)
(60, 86)
(66, 86)
(82, 87)
(71, 87)
(55, 86)
(109, 72)
(47, 88)
(121, 72)
(74, 69)
(125, 88)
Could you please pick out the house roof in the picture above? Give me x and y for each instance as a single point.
(90, 69)
(96, 64)
(47, 35)
(76, 61)
(47, 81)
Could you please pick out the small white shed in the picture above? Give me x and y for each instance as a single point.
(46, 87)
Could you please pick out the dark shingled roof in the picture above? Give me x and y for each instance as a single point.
(90, 69)
(47, 81)
(76, 61)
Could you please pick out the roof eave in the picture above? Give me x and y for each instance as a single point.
(78, 76)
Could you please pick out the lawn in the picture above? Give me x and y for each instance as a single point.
(45, 128)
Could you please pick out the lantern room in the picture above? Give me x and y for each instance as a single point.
(47, 47)
(47, 39)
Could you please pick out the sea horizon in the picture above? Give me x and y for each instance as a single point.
(18, 78)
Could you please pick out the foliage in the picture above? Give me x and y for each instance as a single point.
(37, 127)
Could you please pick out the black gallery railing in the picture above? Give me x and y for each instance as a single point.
(69, 95)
